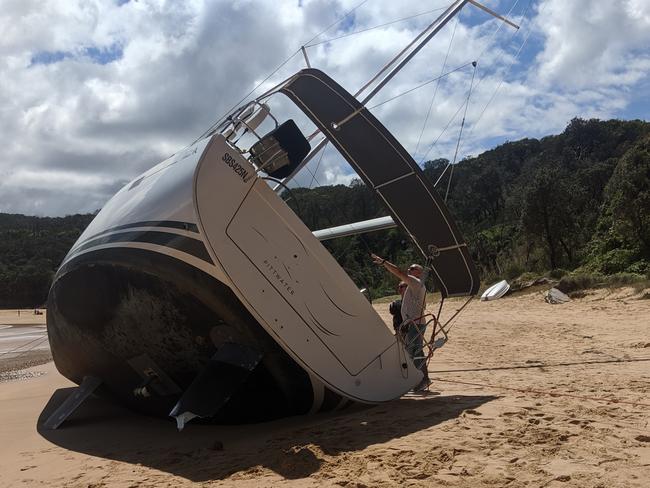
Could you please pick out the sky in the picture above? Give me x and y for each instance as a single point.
(93, 93)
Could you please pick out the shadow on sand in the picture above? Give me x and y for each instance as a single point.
(214, 452)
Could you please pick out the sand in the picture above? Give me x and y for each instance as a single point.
(23, 342)
(531, 394)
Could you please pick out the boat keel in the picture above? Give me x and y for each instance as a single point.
(76, 398)
(225, 373)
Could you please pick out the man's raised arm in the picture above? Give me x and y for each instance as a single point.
(390, 267)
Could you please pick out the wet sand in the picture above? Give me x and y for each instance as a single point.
(23, 342)
(531, 395)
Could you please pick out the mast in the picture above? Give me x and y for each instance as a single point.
(435, 27)
(387, 221)
(428, 33)
(432, 29)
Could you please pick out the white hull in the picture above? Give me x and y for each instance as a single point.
(269, 259)
(496, 291)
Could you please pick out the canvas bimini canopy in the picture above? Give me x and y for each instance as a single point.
(386, 167)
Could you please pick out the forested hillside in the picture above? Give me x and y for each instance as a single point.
(31, 249)
(580, 199)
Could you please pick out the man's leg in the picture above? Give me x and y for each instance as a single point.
(421, 362)
(413, 343)
(418, 353)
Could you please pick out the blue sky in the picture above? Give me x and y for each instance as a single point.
(96, 92)
(94, 54)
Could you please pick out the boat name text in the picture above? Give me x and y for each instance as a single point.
(236, 167)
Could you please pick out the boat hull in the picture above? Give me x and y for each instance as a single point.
(111, 306)
(198, 258)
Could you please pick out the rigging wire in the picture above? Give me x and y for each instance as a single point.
(320, 158)
(512, 61)
(460, 133)
(512, 36)
(345, 15)
(460, 107)
(216, 123)
(466, 105)
(375, 27)
(478, 58)
(499, 27)
(498, 59)
(417, 87)
(435, 92)
(313, 175)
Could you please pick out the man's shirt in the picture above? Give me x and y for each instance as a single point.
(413, 301)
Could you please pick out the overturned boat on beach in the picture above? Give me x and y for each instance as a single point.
(197, 291)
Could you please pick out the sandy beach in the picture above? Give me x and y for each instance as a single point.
(23, 342)
(530, 394)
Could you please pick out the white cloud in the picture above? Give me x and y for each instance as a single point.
(72, 131)
(591, 44)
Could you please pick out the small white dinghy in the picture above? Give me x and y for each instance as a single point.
(496, 291)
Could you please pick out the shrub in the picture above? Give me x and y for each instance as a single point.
(580, 281)
(583, 280)
(623, 279)
(557, 273)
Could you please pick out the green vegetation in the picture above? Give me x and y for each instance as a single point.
(581, 280)
(575, 206)
(31, 249)
(578, 201)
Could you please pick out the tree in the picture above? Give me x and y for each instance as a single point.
(622, 241)
(549, 212)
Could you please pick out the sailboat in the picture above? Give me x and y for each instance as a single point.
(197, 292)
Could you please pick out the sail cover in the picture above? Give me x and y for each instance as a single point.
(385, 166)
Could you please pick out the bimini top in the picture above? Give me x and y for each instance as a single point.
(385, 166)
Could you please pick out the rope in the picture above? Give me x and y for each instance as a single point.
(22, 353)
(18, 348)
(375, 27)
(545, 392)
(291, 194)
(497, 367)
(452, 320)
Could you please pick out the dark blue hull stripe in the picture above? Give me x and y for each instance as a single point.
(170, 224)
(194, 247)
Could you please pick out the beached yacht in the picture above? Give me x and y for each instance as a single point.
(197, 291)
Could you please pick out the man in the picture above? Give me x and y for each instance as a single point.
(395, 309)
(413, 303)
